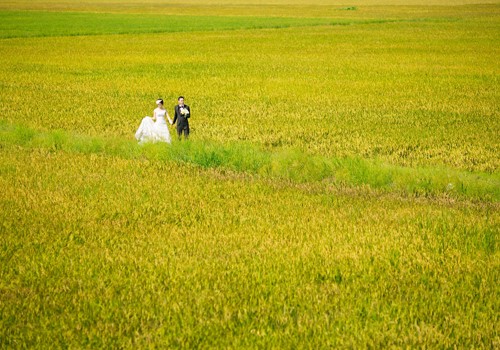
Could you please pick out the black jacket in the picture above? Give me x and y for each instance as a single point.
(182, 121)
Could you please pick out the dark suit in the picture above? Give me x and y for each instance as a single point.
(182, 121)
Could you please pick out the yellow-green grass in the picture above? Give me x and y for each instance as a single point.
(101, 251)
(410, 93)
(289, 164)
(340, 188)
(287, 8)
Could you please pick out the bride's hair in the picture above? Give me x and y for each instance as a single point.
(159, 101)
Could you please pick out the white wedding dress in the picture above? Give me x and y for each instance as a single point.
(151, 131)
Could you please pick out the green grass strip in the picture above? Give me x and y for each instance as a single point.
(289, 164)
(23, 24)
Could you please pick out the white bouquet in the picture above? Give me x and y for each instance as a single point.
(184, 112)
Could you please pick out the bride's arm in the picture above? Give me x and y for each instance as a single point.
(169, 120)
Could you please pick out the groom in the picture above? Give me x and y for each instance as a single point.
(182, 113)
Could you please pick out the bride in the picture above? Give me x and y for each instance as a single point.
(155, 129)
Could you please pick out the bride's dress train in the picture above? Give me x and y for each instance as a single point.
(151, 131)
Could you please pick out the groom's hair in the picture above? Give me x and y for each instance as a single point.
(180, 98)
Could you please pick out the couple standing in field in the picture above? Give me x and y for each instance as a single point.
(156, 129)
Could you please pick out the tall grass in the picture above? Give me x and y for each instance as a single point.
(290, 164)
(415, 94)
(340, 188)
(102, 251)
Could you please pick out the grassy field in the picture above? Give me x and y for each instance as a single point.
(341, 187)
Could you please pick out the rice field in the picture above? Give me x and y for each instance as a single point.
(340, 188)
